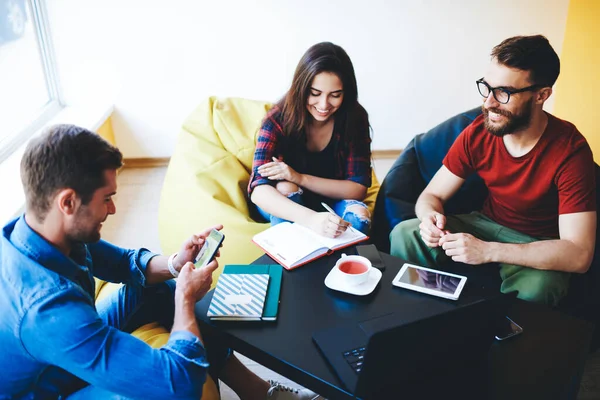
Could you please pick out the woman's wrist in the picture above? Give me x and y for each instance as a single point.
(300, 179)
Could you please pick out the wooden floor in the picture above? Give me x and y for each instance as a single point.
(136, 225)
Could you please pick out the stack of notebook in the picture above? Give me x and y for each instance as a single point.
(247, 293)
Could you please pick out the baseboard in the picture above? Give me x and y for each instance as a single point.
(151, 162)
(379, 154)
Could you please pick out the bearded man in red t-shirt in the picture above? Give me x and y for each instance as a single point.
(539, 220)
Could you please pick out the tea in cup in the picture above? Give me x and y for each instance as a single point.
(354, 270)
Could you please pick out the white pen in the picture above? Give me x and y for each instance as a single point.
(334, 213)
(329, 209)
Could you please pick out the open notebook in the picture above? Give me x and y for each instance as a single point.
(293, 245)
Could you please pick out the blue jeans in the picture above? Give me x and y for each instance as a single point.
(359, 223)
(132, 306)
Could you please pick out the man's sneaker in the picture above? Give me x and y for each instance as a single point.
(277, 391)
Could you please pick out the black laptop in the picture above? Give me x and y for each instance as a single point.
(410, 354)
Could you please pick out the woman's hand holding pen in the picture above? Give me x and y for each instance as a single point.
(327, 224)
(279, 171)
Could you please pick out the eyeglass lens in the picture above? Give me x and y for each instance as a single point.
(500, 95)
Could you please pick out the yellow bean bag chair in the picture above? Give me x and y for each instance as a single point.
(207, 178)
(155, 336)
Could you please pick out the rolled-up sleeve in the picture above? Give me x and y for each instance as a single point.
(267, 144)
(187, 346)
(65, 331)
(115, 264)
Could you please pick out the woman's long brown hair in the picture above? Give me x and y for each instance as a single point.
(323, 57)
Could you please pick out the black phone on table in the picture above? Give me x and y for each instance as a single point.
(211, 246)
(507, 328)
(370, 252)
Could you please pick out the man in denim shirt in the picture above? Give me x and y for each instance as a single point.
(55, 342)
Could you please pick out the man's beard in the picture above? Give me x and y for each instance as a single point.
(84, 236)
(81, 232)
(515, 123)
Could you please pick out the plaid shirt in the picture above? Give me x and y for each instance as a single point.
(352, 159)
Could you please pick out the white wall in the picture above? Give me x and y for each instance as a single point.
(416, 61)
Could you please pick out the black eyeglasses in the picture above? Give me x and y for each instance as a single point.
(501, 94)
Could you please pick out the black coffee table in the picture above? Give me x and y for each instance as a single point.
(545, 362)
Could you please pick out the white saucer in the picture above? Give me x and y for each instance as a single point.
(334, 281)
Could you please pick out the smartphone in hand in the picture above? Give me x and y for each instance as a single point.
(211, 246)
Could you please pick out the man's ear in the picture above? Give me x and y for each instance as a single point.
(543, 94)
(67, 201)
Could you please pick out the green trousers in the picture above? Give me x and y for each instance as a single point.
(536, 285)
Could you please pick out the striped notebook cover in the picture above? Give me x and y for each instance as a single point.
(239, 296)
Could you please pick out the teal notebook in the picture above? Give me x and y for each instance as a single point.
(275, 272)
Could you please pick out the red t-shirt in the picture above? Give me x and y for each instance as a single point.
(528, 193)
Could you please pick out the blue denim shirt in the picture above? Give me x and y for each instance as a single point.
(50, 330)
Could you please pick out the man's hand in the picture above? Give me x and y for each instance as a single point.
(193, 283)
(191, 247)
(327, 224)
(279, 171)
(432, 228)
(465, 248)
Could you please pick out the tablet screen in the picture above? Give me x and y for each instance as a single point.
(431, 280)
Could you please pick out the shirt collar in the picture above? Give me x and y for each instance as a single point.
(38, 249)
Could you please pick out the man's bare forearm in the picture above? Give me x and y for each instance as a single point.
(557, 255)
(157, 270)
(427, 203)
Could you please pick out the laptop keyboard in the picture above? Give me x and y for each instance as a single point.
(355, 358)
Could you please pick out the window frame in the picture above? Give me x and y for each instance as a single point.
(14, 140)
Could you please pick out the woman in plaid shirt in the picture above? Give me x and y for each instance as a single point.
(314, 146)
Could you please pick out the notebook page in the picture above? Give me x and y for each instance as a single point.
(287, 242)
(349, 236)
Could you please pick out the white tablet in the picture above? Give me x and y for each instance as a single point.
(430, 281)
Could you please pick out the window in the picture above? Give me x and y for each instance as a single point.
(29, 90)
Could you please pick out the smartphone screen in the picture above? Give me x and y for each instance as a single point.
(507, 328)
(210, 248)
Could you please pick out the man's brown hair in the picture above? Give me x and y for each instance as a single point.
(530, 53)
(65, 156)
